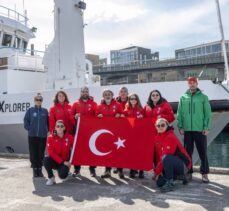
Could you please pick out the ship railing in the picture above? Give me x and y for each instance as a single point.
(12, 14)
(23, 60)
(162, 63)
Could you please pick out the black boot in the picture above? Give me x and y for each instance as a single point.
(169, 186)
(141, 175)
(35, 172)
(120, 174)
(39, 172)
(92, 172)
(132, 173)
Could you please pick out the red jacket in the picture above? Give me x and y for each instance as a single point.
(84, 108)
(167, 143)
(133, 112)
(122, 103)
(61, 112)
(59, 148)
(109, 110)
(162, 110)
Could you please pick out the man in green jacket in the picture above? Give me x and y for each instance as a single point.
(194, 122)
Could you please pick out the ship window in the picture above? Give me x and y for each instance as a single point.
(7, 40)
(17, 42)
(24, 45)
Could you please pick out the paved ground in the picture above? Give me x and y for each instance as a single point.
(19, 191)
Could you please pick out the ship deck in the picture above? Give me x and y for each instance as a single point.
(19, 191)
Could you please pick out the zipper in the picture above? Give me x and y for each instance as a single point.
(191, 112)
(38, 127)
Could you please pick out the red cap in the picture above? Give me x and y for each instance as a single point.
(192, 79)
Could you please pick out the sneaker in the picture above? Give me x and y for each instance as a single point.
(92, 173)
(167, 187)
(115, 171)
(76, 173)
(107, 174)
(39, 172)
(132, 174)
(205, 178)
(141, 175)
(51, 181)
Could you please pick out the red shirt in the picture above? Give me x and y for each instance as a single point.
(109, 110)
(61, 112)
(162, 110)
(122, 103)
(167, 143)
(87, 108)
(59, 148)
(133, 112)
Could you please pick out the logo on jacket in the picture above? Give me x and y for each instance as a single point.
(34, 114)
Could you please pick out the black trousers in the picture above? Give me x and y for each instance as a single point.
(91, 168)
(200, 141)
(51, 164)
(36, 151)
(173, 166)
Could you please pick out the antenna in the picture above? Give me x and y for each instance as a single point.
(222, 41)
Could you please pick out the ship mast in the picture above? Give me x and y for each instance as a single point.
(226, 75)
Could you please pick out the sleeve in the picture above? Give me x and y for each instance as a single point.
(94, 108)
(98, 110)
(207, 114)
(52, 120)
(73, 113)
(27, 120)
(179, 115)
(168, 113)
(52, 152)
(159, 168)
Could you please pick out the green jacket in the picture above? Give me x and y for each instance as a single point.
(194, 112)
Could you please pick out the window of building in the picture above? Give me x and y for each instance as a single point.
(208, 49)
(203, 50)
(198, 51)
(7, 38)
(24, 45)
(216, 48)
(187, 53)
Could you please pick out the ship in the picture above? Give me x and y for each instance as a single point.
(25, 72)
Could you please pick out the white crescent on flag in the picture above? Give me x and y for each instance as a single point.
(92, 142)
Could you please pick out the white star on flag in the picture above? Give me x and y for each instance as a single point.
(120, 143)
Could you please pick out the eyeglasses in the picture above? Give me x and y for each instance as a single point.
(155, 95)
(133, 99)
(38, 100)
(59, 126)
(161, 125)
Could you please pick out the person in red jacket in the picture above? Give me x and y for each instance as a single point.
(158, 107)
(134, 109)
(85, 106)
(61, 111)
(122, 97)
(109, 108)
(58, 146)
(174, 161)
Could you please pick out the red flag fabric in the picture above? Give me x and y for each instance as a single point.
(114, 142)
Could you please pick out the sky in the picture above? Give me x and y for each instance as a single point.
(161, 25)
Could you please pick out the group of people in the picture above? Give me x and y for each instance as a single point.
(172, 160)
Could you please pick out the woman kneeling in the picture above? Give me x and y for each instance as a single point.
(58, 146)
(173, 161)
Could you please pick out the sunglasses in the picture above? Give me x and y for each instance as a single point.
(161, 125)
(133, 98)
(38, 100)
(155, 95)
(59, 126)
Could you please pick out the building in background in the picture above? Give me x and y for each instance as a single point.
(95, 59)
(133, 54)
(207, 49)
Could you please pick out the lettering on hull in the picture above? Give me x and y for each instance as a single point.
(13, 107)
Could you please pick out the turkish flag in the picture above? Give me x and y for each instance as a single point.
(114, 142)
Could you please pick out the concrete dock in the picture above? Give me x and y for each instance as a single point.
(19, 191)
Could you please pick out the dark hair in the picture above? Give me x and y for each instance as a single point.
(62, 122)
(56, 97)
(128, 104)
(150, 102)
